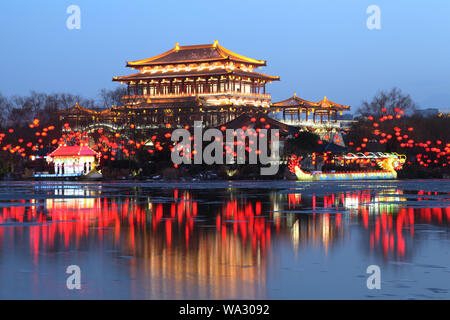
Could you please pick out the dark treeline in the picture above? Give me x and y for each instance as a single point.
(17, 111)
(391, 110)
(388, 101)
(390, 122)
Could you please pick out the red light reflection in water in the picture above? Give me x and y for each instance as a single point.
(388, 224)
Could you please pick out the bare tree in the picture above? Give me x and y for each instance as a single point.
(389, 101)
(112, 97)
(67, 100)
(5, 107)
(20, 110)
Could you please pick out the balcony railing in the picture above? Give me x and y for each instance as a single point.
(318, 124)
(181, 95)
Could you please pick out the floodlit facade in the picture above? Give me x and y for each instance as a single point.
(73, 160)
(207, 83)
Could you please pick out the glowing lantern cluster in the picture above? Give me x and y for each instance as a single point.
(432, 152)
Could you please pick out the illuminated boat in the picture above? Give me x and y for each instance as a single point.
(389, 163)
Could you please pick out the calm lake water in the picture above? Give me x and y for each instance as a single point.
(223, 240)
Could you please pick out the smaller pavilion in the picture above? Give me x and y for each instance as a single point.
(73, 160)
(294, 108)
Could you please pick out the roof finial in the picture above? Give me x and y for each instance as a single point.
(216, 43)
(295, 94)
(177, 46)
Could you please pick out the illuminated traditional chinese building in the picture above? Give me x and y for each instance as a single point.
(185, 84)
(185, 74)
(73, 160)
(319, 117)
(299, 111)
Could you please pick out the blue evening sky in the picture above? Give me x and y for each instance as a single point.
(317, 47)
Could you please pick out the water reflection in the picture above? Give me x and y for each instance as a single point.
(218, 245)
